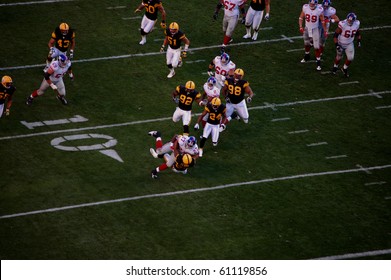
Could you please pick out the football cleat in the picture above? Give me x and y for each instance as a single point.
(171, 74)
(155, 133)
(153, 152)
(62, 99)
(345, 72)
(222, 127)
(318, 67)
(200, 152)
(334, 70)
(306, 58)
(143, 40)
(235, 116)
(154, 174)
(247, 36)
(255, 36)
(29, 100)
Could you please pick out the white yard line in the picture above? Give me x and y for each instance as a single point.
(356, 255)
(376, 94)
(249, 183)
(34, 2)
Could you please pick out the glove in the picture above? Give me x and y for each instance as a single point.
(162, 49)
(243, 20)
(325, 34)
(51, 52)
(71, 76)
(202, 103)
(227, 99)
(249, 99)
(196, 126)
(7, 112)
(175, 99)
(301, 30)
(53, 86)
(338, 47)
(267, 16)
(171, 146)
(215, 15)
(70, 54)
(184, 54)
(163, 24)
(137, 10)
(359, 44)
(210, 73)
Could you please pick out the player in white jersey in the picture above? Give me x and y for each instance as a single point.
(344, 35)
(330, 16)
(53, 78)
(179, 144)
(210, 91)
(232, 9)
(224, 68)
(254, 17)
(312, 14)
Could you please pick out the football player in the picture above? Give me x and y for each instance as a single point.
(184, 96)
(62, 40)
(344, 35)
(7, 89)
(174, 38)
(330, 16)
(216, 112)
(210, 91)
(53, 78)
(312, 14)
(254, 17)
(234, 92)
(149, 19)
(232, 9)
(223, 66)
(179, 154)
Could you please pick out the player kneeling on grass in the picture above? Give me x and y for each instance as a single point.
(216, 114)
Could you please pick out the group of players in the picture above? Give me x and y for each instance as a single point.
(226, 80)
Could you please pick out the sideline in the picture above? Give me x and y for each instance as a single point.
(375, 94)
(270, 180)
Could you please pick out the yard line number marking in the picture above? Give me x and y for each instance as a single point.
(167, 194)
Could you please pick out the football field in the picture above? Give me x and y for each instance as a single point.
(308, 177)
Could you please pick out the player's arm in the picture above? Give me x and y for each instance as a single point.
(219, 5)
(186, 48)
(334, 18)
(250, 93)
(139, 8)
(324, 24)
(358, 37)
(51, 43)
(301, 18)
(337, 32)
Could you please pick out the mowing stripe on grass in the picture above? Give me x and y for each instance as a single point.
(376, 94)
(357, 255)
(284, 38)
(269, 180)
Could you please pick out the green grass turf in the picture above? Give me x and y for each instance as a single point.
(284, 217)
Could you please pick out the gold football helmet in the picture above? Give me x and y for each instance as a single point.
(216, 102)
(6, 81)
(190, 86)
(174, 27)
(239, 73)
(64, 28)
(187, 159)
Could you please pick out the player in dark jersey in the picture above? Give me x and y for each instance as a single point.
(217, 115)
(7, 89)
(62, 41)
(174, 38)
(254, 17)
(182, 162)
(184, 96)
(234, 91)
(149, 19)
